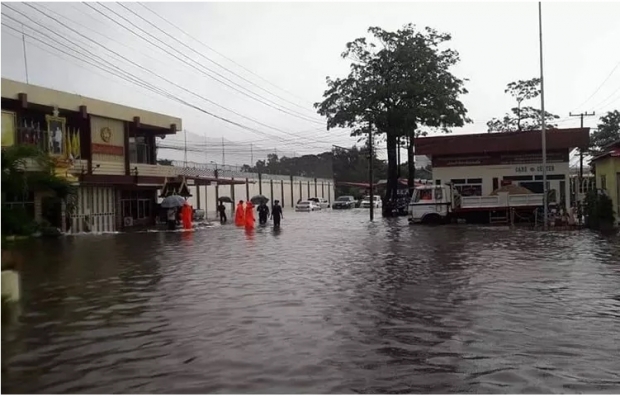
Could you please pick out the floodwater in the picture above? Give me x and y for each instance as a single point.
(330, 304)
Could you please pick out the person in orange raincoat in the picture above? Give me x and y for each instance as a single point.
(186, 216)
(249, 216)
(240, 214)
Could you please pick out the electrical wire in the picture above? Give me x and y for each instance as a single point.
(219, 53)
(170, 82)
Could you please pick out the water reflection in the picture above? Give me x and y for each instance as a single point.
(329, 303)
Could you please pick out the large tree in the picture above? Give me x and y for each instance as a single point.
(399, 81)
(522, 118)
(607, 131)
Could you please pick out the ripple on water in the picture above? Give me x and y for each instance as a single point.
(330, 304)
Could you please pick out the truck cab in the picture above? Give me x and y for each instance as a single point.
(430, 204)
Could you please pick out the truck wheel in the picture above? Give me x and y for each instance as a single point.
(431, 219)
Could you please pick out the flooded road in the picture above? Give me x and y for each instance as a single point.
(330, 304)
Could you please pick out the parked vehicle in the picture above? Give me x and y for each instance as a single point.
(320, 201)
(366, 202)
(307, 206)
(344, 202)
(439, 204)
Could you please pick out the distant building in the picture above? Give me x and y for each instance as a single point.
(477, 164)
(607, 172)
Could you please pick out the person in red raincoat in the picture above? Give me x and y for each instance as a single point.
(249, 216)
(240, 214)
(186, 216)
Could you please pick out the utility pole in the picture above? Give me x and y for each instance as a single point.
(370, 171)
(542, 115)
(25, 55)
(223, 152)
(580, 179)
(185, 149)
(251, 156)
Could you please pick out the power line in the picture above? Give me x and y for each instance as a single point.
(264, 100)
(161, 77)
(207, 58)
(219, 53)
(600, 86)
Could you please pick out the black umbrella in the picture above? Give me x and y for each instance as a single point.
(258, 199)
(225, 199)
(173, 202)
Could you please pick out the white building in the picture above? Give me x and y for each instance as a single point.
(478, 164)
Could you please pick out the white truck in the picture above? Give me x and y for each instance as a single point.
(443, 203)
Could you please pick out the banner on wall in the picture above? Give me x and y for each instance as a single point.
(8, 128)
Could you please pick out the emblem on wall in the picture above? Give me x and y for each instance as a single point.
(106, 134)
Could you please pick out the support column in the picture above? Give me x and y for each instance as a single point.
(323, 191)
(260, 183)
(308, 189)
(282, 190)
(247, 189)
(292, 193)
(271, 190)
(197, 197)
(232, 196)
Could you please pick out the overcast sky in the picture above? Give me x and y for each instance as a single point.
(293, 47)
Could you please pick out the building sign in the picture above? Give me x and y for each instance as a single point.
(499, 159)
(107, 149)
(527, 169)
(8, 128)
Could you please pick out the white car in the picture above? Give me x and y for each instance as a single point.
(307, 206)
(366, 202)
(321, 202)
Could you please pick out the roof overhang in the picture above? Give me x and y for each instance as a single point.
(63, 100)
(519, 141)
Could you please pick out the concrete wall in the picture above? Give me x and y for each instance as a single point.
(280, 183)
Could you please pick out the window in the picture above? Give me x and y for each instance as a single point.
(137, 204)
(422, 195)
(140, 150)
(604, 182)
(468, 187)
(438, 194)
(23, 202)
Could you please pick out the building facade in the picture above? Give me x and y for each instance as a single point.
(607, 172)
(478, 164)
(107, 150)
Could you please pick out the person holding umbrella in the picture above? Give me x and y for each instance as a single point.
(221, 209)
(263, 213)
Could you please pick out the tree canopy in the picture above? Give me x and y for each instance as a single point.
(398, 82)
(522, 118)
(607, 131)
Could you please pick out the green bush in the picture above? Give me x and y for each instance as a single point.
(599, 210)
(15, 221)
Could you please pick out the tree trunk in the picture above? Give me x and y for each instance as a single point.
(392, 177)
(411, 163)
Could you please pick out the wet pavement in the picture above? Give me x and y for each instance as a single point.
(329, 304)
